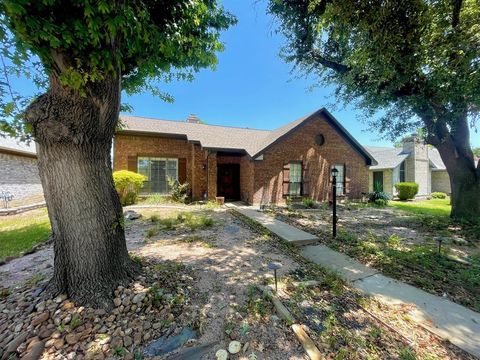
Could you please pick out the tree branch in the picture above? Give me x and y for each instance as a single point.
(457, 7)
(336, 66)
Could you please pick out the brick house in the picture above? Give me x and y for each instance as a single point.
(18, 167)
(413, 162)
(256, 166)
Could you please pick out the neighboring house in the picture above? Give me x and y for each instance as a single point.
(18, 168)
(256, 166)
(413, 162)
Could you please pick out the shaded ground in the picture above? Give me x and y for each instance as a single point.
(213, 267)
(404, 246)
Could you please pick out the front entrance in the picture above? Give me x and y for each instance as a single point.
(228, 181)
(378, 181)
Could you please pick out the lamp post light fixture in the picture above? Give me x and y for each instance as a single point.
(334, 196)
(275, 266)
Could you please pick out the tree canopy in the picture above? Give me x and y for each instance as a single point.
(416, 61)
(83, 41)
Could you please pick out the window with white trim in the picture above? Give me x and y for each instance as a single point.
(157, 171)
(340, 178)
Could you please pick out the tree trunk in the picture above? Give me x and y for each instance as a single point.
(464, 175)
(74, 134)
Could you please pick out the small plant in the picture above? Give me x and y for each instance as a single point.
(128, 184)
(406, 190)
(138, 355)
(61, 328)
(153, 231)
(438, 195)
(34, 280)
(381, 202)
(119, 351)
(178, 192)
(5, 292)
(377, 194)
(75, 322)
(406, 354)
(309, 203)
(155, 218)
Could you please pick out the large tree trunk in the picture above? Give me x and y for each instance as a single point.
(74, 134)
(456, 153)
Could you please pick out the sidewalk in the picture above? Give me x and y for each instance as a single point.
(283, 231)
(451, 321)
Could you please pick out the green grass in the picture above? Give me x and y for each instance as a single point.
(419, 264)
(433, 207)
(19, 233)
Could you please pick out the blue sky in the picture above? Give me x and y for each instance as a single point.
(251, 87)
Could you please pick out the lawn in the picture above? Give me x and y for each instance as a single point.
(433, 207)
(19, 233)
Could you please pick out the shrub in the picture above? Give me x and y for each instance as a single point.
(381, 202)
(128, 184)
(378, 197)
(308, 202)
(438, 195)
(406, 190)
(178, 192)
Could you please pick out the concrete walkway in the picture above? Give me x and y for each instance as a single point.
(451, 321)
(284, 231)
(443, 317)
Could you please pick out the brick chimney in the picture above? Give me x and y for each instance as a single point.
(193, 119)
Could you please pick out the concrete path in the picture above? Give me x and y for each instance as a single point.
(284, 231)
(448, 320)
(443, 317)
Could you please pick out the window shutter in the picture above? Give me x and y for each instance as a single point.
(182, 170)
(286, 179)
(346, 188)
(132, 163)
(305, 181)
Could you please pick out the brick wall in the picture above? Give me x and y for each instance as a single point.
(138, 145)
(300, 146)
(19, 175)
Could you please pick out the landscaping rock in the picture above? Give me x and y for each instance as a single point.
(234, 347)
(40, 319)
(14, 344)
(221, 354)
(35, 351)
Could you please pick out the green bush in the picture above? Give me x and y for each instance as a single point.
(178, 192)
(438, 195)
(308, 202)
(128, 184)
(378, 197)
(406, 190)
(381, 202)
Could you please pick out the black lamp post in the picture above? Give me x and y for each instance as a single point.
(334, 193)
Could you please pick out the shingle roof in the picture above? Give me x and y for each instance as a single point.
(436, 160)
(210, 136)
(12, 144)
(390, 158)
(253, 141)
(387, 158)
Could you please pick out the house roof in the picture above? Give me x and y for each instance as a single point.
(387, 158)
(13, 145)
(436, 160)
(390, 158)
(252, 141)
